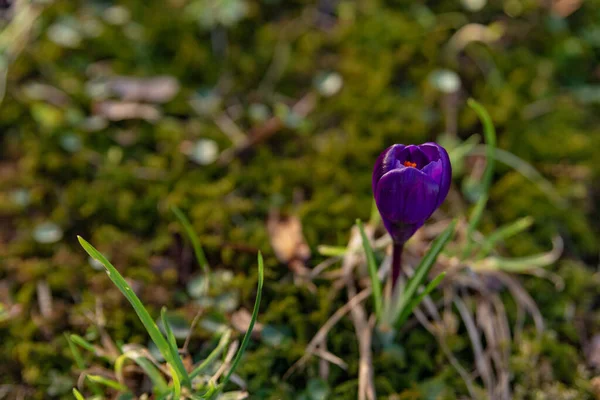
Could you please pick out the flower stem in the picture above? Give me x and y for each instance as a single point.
(396, 262)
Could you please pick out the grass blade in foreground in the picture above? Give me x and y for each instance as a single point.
(78, 395)
(238, 356)
(489, 132)
(149, 324)
(108, 383)
(78, 340)
(213, 355)
(331, 251)
(415, 302)
(76, 354)
(176, 384)
(81, 365)
(375, 283)
(171, 341)
(158, 383)
(405, 300)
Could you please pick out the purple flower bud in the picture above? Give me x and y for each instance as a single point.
(409, 184)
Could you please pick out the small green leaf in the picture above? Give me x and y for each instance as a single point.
(408, 295)
(375, 283)
(415, 302)
(521, 264)
(79, 360)
(176, 384)
(82, 342)
(169, 332)
(331, 251)
(76, 354)
(223, 342)
(108, 383)
(172, 342)
(78, 395)
(147, 321)
(158, 382)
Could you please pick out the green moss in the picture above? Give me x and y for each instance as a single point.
(538, 83)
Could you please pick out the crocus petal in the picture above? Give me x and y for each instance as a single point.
(413, 154)
(386, 162)
(406, 195)
(419, 157)
(431, 150)
(436, 152)
(434, 170)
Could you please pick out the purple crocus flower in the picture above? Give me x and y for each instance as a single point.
(409, 184)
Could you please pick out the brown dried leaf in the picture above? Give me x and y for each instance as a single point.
(241, 321)
(474, 33)
(596, 386)
(287, 239)
(564, 8)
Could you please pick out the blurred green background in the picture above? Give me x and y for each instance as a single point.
(113, 111)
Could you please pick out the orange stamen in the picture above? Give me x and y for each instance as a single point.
(410, 164)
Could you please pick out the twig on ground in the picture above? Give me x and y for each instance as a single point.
(273, 125)
(331, 358)
(230, 354)
(192, 326)
(442, 342)
(481, 360)
(324, 330)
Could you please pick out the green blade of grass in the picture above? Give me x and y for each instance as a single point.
(520, 264)
(223, 342)
(176, 384)
(372, 266)
(81, 365)
(108, 383)
(76, 354)
(193, 238)
(422, 270)
(170, 336)
(212, 392)
(158, 382)
(502, 233)
(171, 340)
(83, 343)
(246, 339)
(415, 302)
(489, 133)
(78, 395)
(158, 339)
(331, 251)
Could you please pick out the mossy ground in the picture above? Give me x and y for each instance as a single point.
(113, 181)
